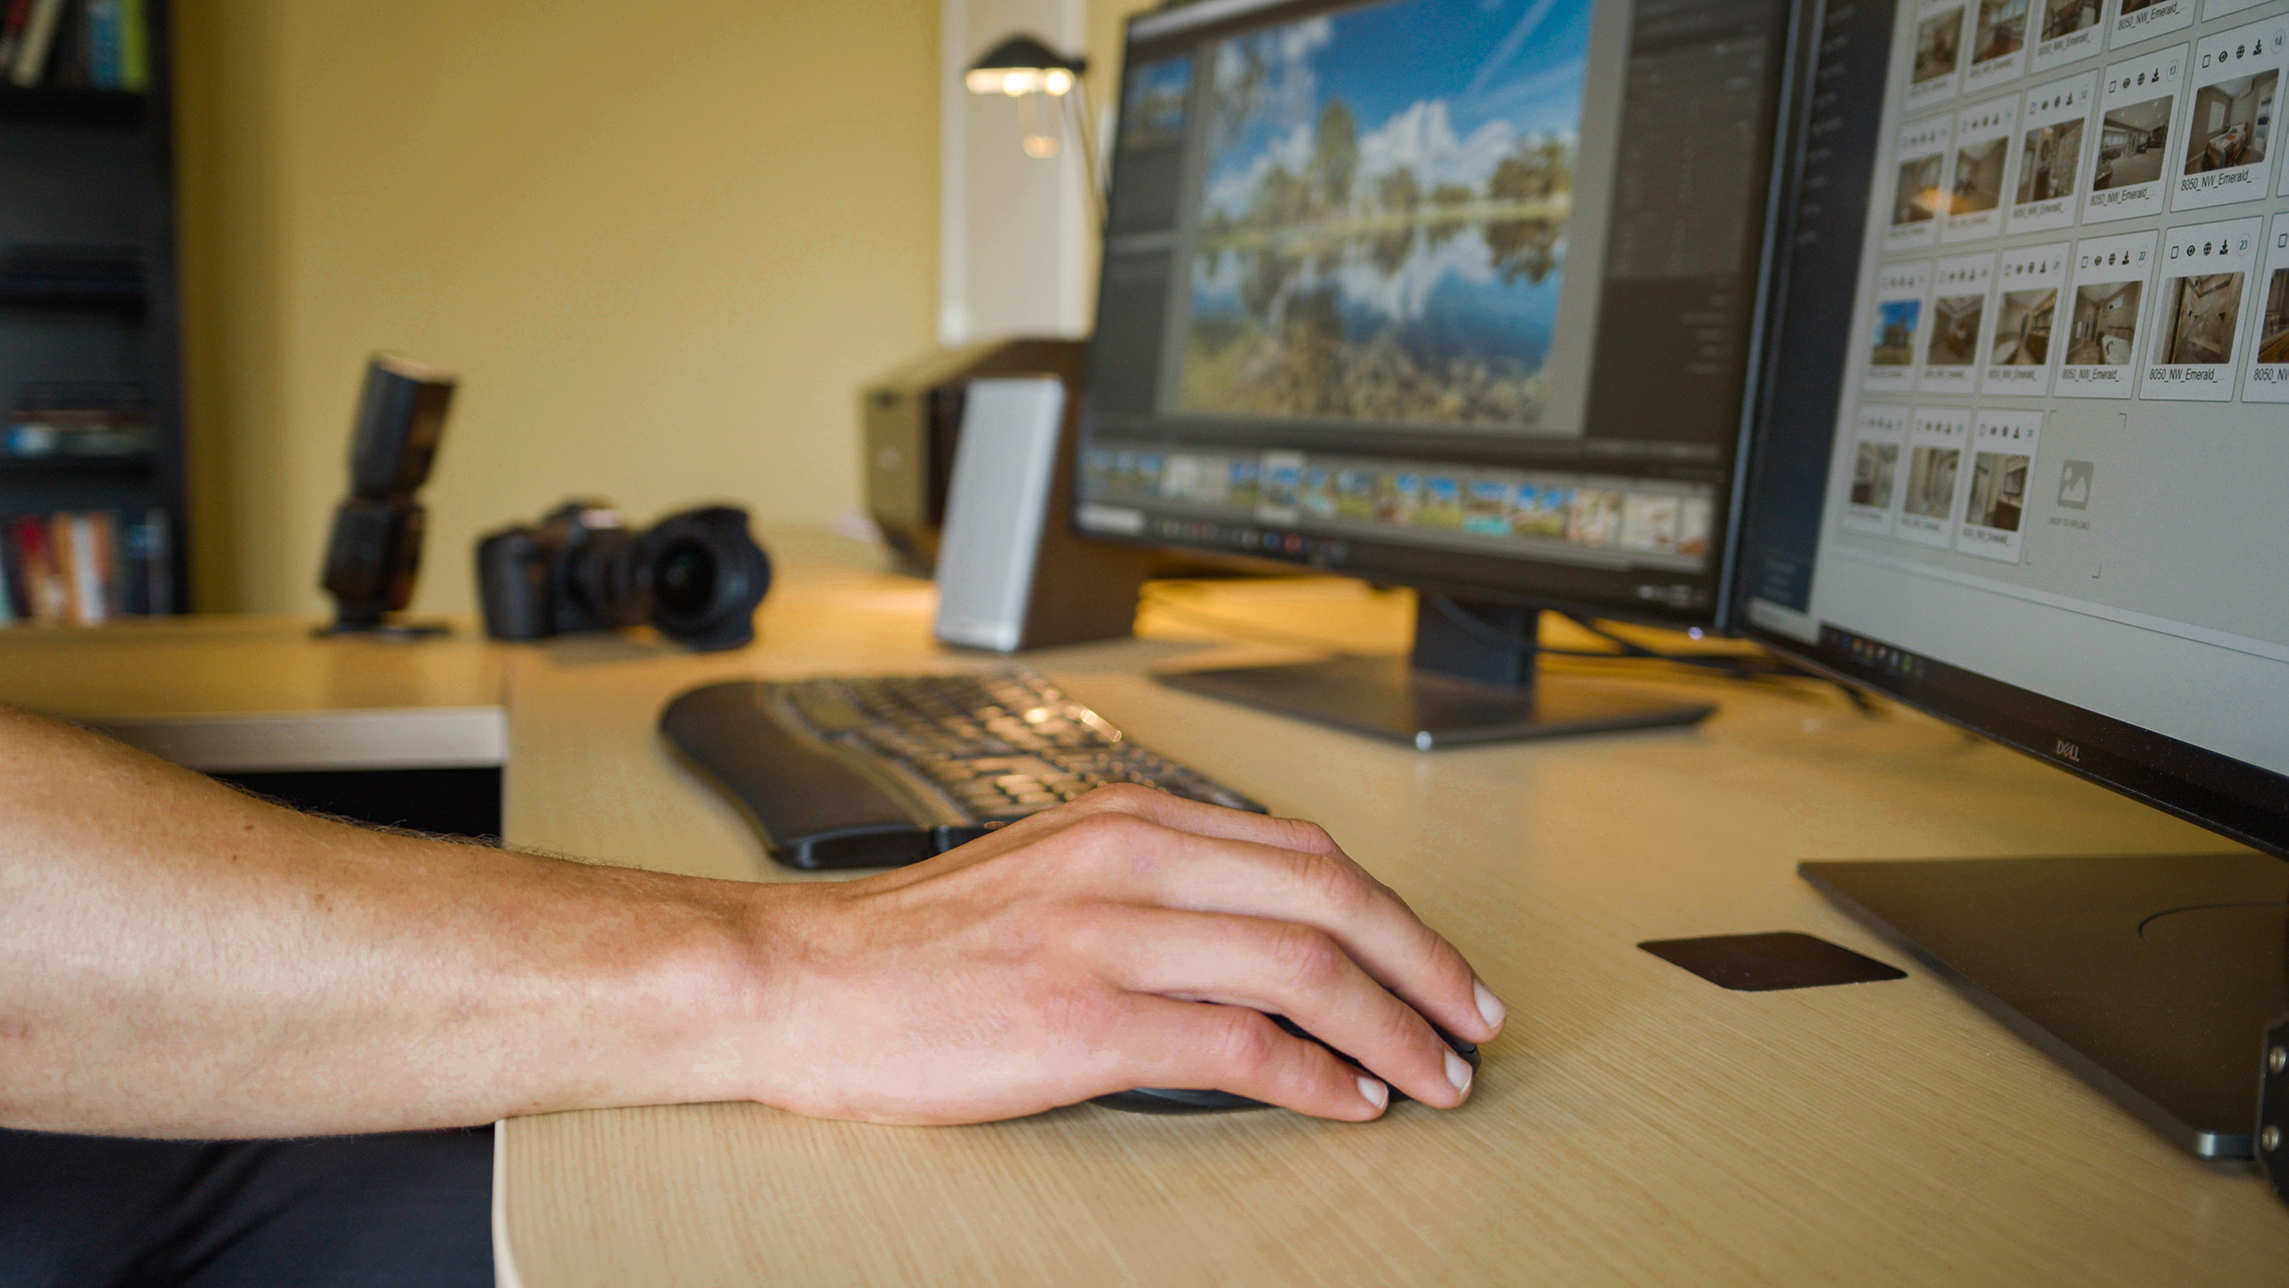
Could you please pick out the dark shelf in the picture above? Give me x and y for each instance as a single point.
(88, 303)
(70, 298)
(50, 466)
(85, 104)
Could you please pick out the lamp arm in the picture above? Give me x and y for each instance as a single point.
(1078, 102)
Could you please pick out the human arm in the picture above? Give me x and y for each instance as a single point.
(177, 958)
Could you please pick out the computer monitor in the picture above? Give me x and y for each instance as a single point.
(1457, 294)
(2021, 465)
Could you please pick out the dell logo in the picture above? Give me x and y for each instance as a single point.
(2067, 751)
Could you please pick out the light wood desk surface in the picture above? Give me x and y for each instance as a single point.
(223, 693)
(1633, 1124)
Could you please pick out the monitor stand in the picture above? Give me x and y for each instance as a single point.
(2154, 977)
(1460, 685)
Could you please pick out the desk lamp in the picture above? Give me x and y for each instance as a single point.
(1024, 68)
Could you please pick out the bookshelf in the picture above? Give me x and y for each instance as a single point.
(90, 381)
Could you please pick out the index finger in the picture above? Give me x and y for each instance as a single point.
(1202, 819)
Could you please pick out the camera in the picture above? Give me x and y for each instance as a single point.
(695, 576)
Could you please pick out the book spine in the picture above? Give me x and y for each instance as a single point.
(43, 592)
(63, 555)
(80, 561)
(134, 47)
(155, 563)
(12, 21)
(39, 37)
(9, 580)
(103, 70)
(102, 533)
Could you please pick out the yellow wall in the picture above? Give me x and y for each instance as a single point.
(664, 245)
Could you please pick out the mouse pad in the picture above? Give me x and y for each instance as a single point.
(1762, 963)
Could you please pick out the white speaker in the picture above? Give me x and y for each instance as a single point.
(1012, 574)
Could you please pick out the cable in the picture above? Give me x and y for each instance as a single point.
(1734, 666)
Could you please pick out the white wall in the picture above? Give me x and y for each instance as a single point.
(1015, 253)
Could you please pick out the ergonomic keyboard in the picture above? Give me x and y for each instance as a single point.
(879, 771)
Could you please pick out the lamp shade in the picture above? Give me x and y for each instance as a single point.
(1023, 65)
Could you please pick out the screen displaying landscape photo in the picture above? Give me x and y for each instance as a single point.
(1383, 216)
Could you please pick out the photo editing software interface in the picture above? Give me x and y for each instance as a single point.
(1459, 292)
(2052, 446)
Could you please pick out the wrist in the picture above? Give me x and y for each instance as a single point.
(713, 993)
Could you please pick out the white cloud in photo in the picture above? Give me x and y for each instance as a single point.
(1231, 191)
(1299, 41)
(1422, 138)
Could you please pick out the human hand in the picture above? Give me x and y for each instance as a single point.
(1069, 954)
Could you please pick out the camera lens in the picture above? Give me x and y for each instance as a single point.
(702, 576)
(685, 582)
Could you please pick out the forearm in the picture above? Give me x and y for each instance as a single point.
(179, 959)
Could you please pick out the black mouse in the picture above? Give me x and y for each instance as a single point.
(1182, 1100)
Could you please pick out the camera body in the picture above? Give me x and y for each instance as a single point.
(696, 576)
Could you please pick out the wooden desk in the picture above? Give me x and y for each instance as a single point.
(237, 694)
(1633, 1123)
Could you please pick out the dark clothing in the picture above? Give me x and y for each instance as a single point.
(407, 1210)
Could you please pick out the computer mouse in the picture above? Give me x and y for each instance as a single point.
(1183, 1100)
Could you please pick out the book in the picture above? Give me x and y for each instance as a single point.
(39, 39)
(86, 568)
(115, 433)
(78, 419)
(43, 594)
(151, 565)
(13, 18)
(97, 533)
(103, 52)
(8, 611)
(134, 47)
(81, 547)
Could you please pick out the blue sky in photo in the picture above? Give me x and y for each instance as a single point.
(1517, 62)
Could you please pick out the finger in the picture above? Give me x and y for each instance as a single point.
(1203, 819)
(1143, 862)
(1134, 801)
(1284, 968)
(1165, 1043)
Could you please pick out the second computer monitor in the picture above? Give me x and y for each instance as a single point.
(1441, 292)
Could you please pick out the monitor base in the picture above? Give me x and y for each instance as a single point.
(1472, 678)
(2153, 977)
(1388, 698)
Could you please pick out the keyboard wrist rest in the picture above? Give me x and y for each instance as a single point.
(814, 808)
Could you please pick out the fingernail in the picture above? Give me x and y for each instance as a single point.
(1490, 1007)
(1458, 1071)
(1374, 1092)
